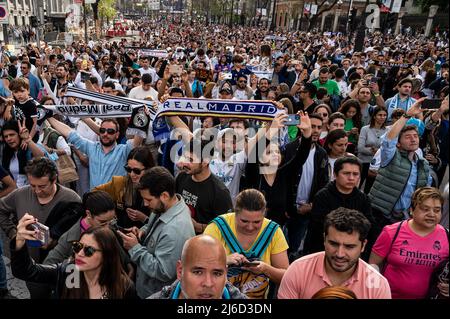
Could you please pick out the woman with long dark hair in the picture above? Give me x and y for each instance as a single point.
(123, 189)
(352, 112)
(95, 265)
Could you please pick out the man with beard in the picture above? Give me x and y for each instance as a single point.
(204, 193)
(401, 100)
(60, 82)
(242, 90)
(157, 246)
(345, 233)
(106, 157)
(262, 90)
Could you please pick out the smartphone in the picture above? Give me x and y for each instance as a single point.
(45, 68)
(227, 76)
(250, 264)
(85, 76)
(293, 120)
(175, 69)
(43, 235)
(431, 104)
(114, 226)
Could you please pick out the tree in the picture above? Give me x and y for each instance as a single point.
(104, 9)
(425, 4)
(322, 6)
(107, 10)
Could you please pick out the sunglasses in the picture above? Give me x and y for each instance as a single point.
(88, 250)
(137, 171)
(242, 81)
(110, 131)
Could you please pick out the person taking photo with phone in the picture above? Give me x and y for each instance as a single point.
(95, 265)
(256, 247)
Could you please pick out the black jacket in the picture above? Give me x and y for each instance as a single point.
(327, 200)
(25, 268)
(320, 178)
(279, 195)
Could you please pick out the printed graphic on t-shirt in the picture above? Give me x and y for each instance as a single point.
(415, 257)
(190, 200)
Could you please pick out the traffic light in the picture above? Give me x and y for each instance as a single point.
(34, 21)
(352, 19)
(391, 20)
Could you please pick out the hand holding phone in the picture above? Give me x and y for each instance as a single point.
(42, 235)
(250, 264)
(175, 69)
(293, 120)
(433, 104)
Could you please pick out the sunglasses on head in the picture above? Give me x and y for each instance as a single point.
(110, 131)
(88, 250)
(137, 171)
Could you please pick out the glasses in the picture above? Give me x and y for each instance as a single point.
(242, 81)
(324, 114)
(137, 171)
(88, 250)
(110, 131)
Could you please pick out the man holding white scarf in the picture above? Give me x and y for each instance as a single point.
(401, 100)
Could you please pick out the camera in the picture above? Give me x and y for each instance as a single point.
(43, 235)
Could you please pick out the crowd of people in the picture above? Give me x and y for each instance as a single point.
(343, 194)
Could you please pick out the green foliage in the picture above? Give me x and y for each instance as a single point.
(425, 4)
(106, 9)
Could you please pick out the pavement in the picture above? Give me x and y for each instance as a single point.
(17, 288)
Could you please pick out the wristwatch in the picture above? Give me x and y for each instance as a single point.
(406, 116)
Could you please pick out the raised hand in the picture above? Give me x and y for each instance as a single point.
(305, 124)
(415, 109)
(24, 134)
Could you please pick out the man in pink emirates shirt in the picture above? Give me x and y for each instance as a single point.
(339, 265)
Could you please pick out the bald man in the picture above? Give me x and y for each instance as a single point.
(201, 273)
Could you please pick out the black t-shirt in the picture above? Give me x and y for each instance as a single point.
(27, 110)
(207, 199)
(300, 107)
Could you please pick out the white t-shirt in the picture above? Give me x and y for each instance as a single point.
(304, 186)
(230, 171)
(331, 162)
(140, 94)
(150, 71)
(240, 94)
(20, 179)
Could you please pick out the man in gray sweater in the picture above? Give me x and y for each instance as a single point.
(38, 198)
(157, 246)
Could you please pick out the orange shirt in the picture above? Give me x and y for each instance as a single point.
(307, 275)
